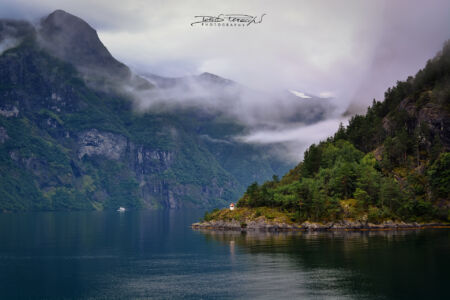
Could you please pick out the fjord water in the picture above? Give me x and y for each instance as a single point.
(155, 254)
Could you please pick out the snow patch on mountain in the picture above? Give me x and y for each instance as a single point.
(300, 94)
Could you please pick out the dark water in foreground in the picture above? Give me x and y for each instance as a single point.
(109, 255)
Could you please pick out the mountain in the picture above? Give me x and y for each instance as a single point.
(393, 163)
(71, 39)
(75, 131)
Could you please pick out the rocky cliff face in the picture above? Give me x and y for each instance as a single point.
(148, 165)
(106, 144)
(430, 113)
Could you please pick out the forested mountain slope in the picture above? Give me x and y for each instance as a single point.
(391, 163)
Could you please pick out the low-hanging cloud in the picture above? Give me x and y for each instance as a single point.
(8, 43)
(217, 95)
(295, 138)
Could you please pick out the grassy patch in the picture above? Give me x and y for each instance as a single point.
(247, 214)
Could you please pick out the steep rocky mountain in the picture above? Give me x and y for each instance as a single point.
(73, 40)
(71, 138)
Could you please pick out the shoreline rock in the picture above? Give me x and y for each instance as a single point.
(344, 225)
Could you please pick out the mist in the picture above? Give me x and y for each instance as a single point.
(8, 43)
(287, 120)
(12, 33)
(251, 107)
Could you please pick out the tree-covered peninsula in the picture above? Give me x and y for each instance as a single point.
(390, 165)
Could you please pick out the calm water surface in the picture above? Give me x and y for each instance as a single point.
(155, 254)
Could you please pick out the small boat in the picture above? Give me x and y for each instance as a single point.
(121, 209)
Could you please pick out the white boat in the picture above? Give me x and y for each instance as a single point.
(121, 209)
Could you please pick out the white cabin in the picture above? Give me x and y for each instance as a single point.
(232, 206)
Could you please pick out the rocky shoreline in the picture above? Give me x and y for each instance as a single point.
(348, 225)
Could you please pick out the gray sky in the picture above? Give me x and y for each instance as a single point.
(351, 50)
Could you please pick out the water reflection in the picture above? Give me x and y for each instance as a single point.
(372, 264)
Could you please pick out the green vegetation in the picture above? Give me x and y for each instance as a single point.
(391, 163)
(243, 214)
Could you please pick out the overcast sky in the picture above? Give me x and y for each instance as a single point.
(350, 50)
